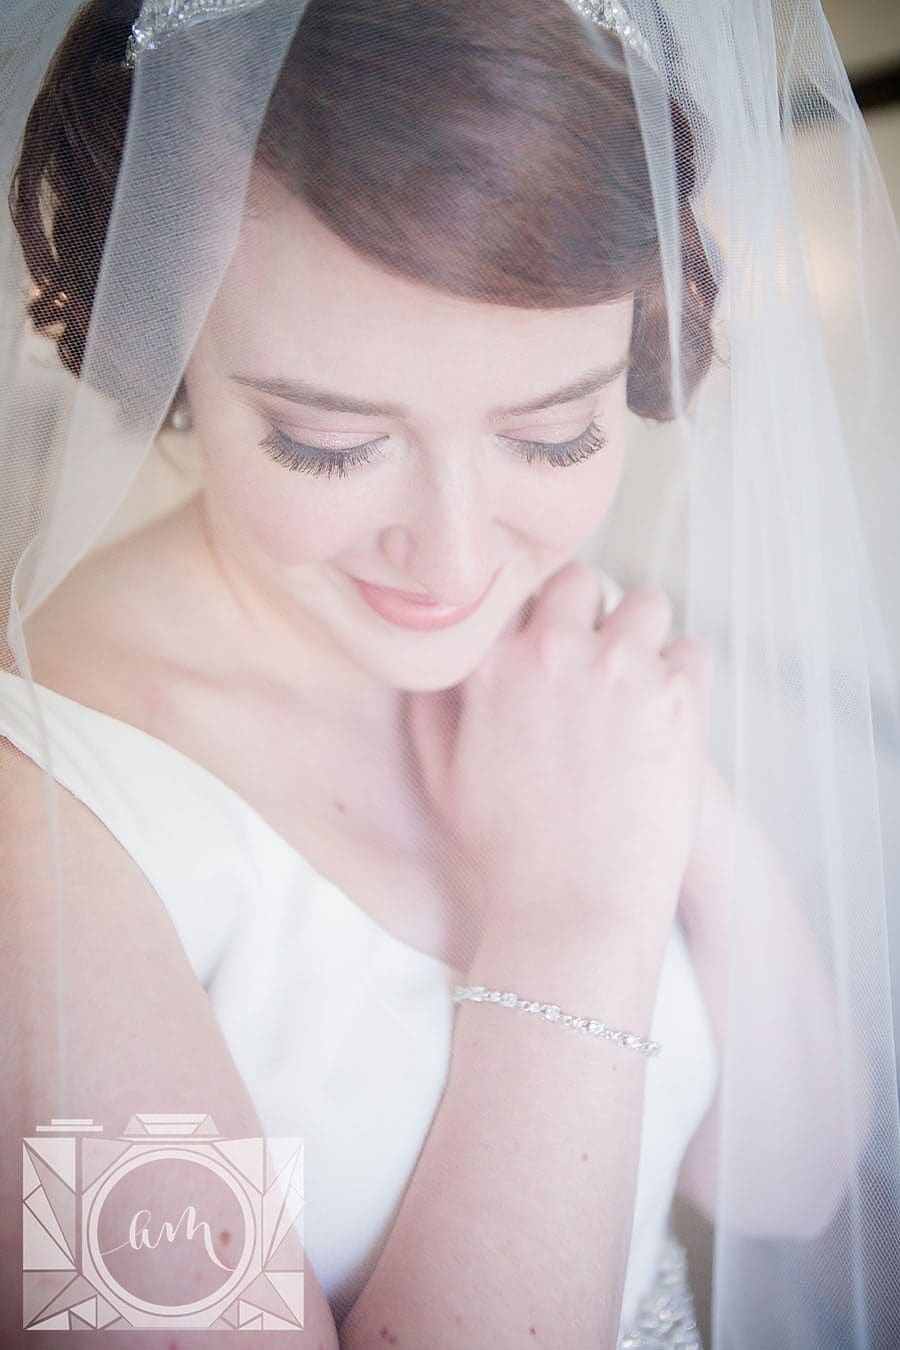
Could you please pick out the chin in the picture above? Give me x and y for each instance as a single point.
(424, 666)
(423, 662)
(415, 661)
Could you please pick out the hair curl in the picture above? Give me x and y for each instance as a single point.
(469, 149)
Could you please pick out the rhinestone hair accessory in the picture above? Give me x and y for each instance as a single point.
(613, 16)
(162, 19)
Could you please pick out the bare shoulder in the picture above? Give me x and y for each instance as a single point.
(140, 1031)
(127, 617)
(130, 992)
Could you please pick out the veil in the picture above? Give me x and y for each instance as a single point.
(717, 170)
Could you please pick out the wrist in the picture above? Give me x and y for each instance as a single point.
(637, 923)
(548, 952)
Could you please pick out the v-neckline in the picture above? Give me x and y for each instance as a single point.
(258, 820)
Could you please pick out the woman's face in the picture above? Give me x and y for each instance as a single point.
(359, 427)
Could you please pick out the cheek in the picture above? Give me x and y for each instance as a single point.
(291, 518)
(568, 504)
(295, 521)
(287, 516)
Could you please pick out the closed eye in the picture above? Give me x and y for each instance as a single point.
(321, 462)
(316, 459)
(561, 453)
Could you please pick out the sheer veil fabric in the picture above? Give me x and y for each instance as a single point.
(755, 232)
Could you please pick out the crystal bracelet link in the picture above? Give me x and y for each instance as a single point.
(588, 1026)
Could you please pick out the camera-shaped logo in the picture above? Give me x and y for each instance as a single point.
(97, 1253)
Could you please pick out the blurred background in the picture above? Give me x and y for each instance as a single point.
(867, 33)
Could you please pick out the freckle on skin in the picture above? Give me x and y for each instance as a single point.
(225, 1235)
(584, 1157)
(531, 1331)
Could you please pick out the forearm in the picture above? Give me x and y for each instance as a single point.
(516, 1226)
(790, 1040)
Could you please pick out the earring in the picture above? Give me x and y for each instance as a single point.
(180, 419)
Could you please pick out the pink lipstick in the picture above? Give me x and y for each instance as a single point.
(415, 611)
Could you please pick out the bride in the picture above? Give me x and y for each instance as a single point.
(359, 727)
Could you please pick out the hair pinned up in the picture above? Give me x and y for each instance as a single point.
(508, 192)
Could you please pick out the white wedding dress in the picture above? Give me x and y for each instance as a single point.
(341, 1031)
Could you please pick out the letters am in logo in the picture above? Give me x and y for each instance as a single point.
(115, 1230)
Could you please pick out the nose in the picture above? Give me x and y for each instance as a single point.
(444, 544)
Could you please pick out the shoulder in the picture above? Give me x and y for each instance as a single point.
(141, 1033)
(128, 950)
(128, 619)
(94, 865)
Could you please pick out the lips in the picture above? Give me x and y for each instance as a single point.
(415, 597)
(415, 611)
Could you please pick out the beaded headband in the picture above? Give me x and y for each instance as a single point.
(161, 19)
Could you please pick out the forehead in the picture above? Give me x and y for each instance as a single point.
(298, 301)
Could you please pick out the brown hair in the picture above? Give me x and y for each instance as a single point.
(466, 146)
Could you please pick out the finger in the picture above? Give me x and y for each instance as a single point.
(612, 596)
(573, 595)
(643, 616)
(688, 653)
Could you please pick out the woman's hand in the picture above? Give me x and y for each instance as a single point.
(573, 774)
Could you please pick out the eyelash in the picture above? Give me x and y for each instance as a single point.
(331, 463)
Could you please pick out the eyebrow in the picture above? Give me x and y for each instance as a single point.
(299, 391)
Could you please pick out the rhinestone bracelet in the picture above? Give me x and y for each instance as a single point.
(588, 1026)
